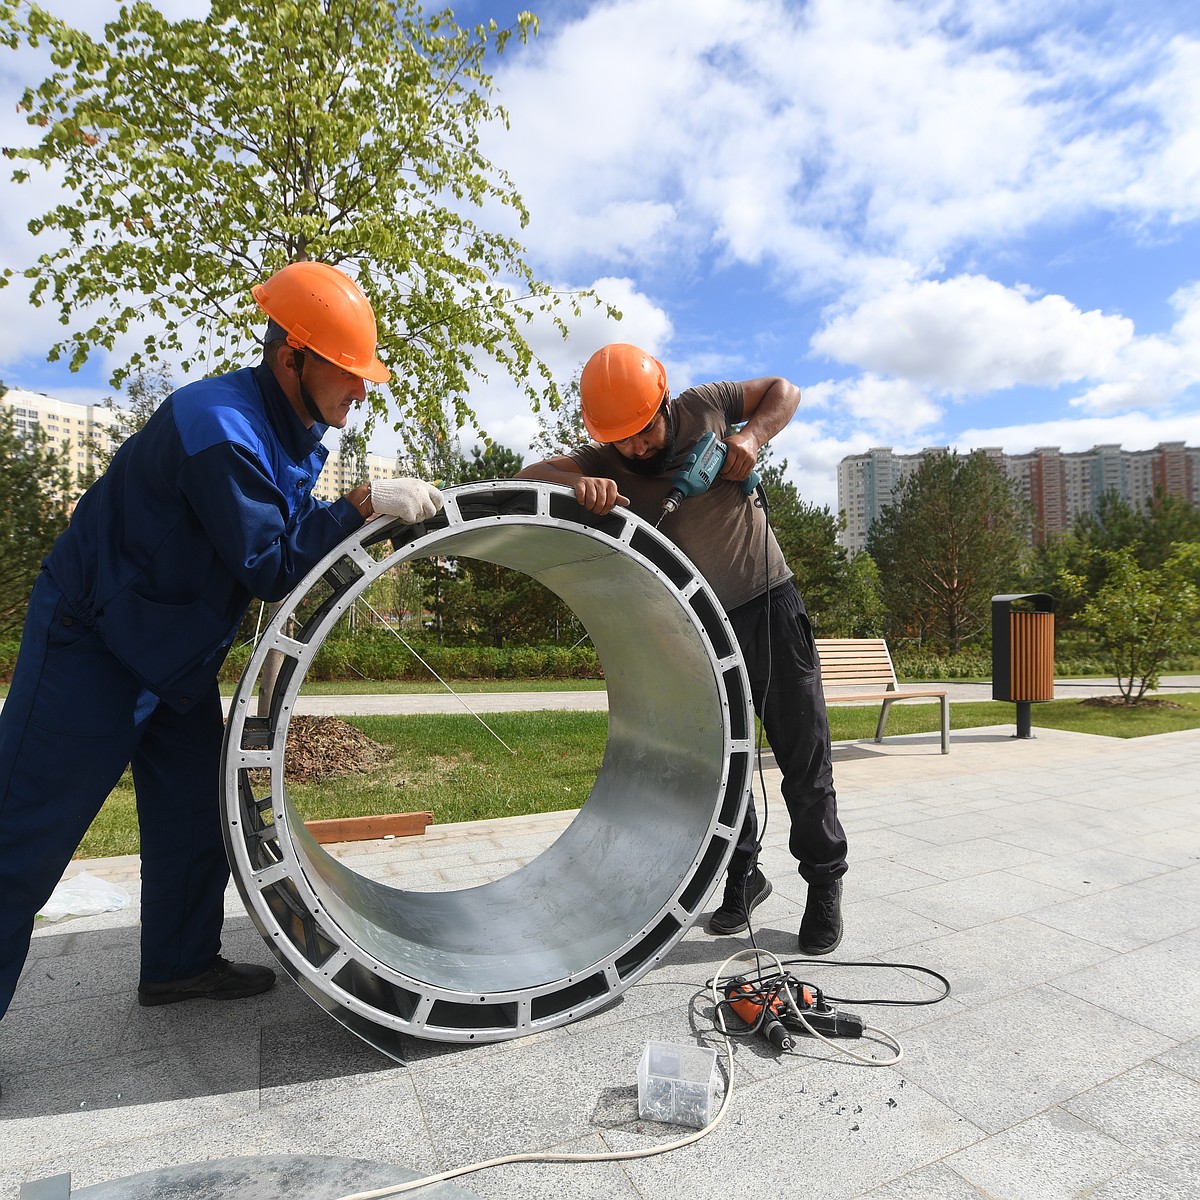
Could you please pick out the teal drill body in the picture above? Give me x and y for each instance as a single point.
(699, 471)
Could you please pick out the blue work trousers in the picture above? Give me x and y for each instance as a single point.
(74, 718)
(785, 683)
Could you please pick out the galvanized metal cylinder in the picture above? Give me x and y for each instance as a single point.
(568, 932)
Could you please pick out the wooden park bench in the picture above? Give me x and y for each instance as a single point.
(865, 664)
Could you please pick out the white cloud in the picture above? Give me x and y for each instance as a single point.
(643, 322)
(881, 409)
(972, 334)
(1156, 371)
(1170, 182)
(1133, 430)
(786, 134)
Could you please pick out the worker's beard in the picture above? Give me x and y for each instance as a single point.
(660, 462)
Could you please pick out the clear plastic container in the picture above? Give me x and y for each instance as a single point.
(678, 1084)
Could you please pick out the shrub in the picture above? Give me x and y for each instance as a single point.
(8, 659)
(912, 665)
(373, 654)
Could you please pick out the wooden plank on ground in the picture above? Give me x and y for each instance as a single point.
(358, 829)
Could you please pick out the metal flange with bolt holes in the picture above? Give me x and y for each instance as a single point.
(568, 932)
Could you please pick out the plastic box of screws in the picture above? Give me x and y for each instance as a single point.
(679, 1084)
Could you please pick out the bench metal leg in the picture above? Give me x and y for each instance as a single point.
(943, 700)
(883, 716)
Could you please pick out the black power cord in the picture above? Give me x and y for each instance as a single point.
(764, 504)
(829, 962)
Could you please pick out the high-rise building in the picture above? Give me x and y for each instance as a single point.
(1058, 485)
(867, 484)
(76, 430)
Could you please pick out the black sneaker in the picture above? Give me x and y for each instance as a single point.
(742, 897)
(222, 981)
(821, 925)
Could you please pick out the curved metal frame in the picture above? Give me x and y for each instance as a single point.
(572, 929)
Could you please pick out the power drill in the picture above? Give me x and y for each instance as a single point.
(802, 1010)
(748, 1002)
(699, 471)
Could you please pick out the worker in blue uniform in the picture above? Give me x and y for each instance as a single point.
(206, 507)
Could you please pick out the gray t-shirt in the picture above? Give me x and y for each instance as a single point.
(723, 531)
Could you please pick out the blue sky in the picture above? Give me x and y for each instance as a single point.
(965, 224)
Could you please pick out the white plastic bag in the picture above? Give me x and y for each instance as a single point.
(83, 895)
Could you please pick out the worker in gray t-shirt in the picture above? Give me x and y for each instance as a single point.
(640, 435)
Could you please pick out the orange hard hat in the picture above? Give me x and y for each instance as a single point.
(323, 310)
(620, 390)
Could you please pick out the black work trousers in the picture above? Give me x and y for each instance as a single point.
(785, 683)
(73, 719)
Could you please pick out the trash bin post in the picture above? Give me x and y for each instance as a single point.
(1023, 653)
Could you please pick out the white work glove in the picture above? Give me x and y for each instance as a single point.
(411, 500)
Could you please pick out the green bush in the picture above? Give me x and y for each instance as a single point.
(1078, 658)
(526, 662)
(377, 654)
(8, 660)
(913, 664)
(235, 663)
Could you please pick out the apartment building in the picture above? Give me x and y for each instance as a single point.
(78, 429)
(338, 477)
(1058, 485)
(74, 429)
(867, 484)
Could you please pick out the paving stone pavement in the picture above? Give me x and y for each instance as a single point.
(1055, 881)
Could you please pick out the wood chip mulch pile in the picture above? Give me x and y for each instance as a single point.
(1119, 702)
(318, 747)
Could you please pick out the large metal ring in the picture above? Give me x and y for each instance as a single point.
(567, 933)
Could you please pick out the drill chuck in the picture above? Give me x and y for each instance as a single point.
(672, 502)
(777, 1033)
(749, 1004)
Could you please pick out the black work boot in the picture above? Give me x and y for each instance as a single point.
(742, 897)
(222, 981)
(821, 925)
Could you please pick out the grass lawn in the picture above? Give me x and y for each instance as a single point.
(454, 767)
(1072, 715)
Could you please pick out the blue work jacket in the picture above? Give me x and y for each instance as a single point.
(206, 507)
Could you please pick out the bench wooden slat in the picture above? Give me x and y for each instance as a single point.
(867, 662)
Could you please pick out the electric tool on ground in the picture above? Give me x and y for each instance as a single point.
(792, 1007)
(698, 472)
(748, 1002)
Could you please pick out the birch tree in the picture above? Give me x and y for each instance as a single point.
(199, 156)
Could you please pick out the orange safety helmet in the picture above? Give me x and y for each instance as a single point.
(620, 390)
(323, 310)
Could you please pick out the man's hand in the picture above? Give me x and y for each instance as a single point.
(412, 500)
(598, 495)
(741, 455)
(594, 492)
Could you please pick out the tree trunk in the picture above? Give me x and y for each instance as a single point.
(270, 672)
